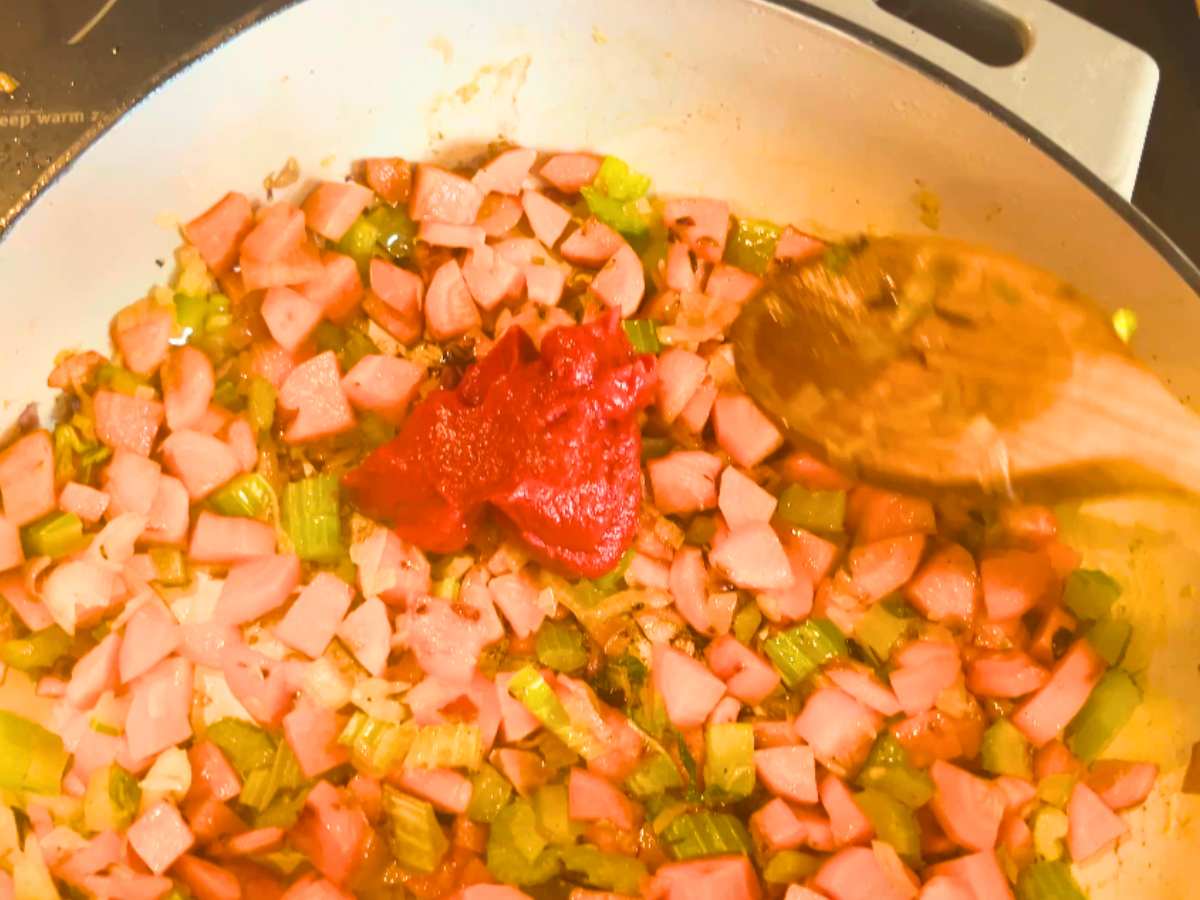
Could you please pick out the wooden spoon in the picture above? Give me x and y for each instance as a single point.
(929, 362)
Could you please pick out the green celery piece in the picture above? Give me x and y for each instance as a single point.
(621, 679)
(311, 517)
(1109, 638)
(260, 403)
(31, 758)
(225, 394)
(788, 866)
(1005, 751)
(621, 215)
(822, 511)
(190, 312)
(800, 651)
(376, 747)
(246, 746)
(553, 815)
(1050, 828)
(751, 244)
(516, 853)
(490, 792)
(729, 758)
(879, 631)
(642, 334)
(700, 834)
(613, 579)
(1056, 789)
(375, 430)
(529, 687)
(1048, 881)
(560, 646)
(746, 622)
(39, 650)
(359, 242)
(262, 785)
(119, 379)
(1090, 594)
(653, 776)
(1106, 712)
(910, 786)
(396, 233)
(451, 745)
(111, 800)
(283, 811)
(54, 535)
(170, 566)
(893, 822)
(617, 180)
(357, 345)
(248, 495)
(413, 832)
(606, 871)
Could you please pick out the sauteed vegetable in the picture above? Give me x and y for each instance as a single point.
(419, 541)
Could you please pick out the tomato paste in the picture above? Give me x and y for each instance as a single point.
(550, 440)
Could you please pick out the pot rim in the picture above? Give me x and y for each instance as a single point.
(1166, 248)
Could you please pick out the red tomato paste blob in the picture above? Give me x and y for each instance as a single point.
(550, 440)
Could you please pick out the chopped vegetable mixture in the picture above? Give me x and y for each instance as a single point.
(419, 541)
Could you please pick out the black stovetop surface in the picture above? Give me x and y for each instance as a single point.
(66, 87)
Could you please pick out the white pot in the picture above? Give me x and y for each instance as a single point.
(789, 114)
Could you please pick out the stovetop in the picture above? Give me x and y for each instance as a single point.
(79, 62)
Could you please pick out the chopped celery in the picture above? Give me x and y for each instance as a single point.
(356, 346)
(376, 747)
(54, 535)
(1090, 594)
(823, 511)
(893, 822)
(655, 775)
(190, 313)
(39, 650)
(490, 791)
(1005, 751)
(225, 394)
(621, 679)
(516, 853)
(787, 866)
(560, 646)
(539, 698)
(262, 785)
(606, 871)
(451, 745)
(553, 817)
(1109, 637)
(1056, 789)
(413, 832)
(119, 379)
(1106, 712)
(800, 651)
(729, 758)
(359, 242)
(1050, 828)
(642, 334)
(699, 834)
(246, 746)
(612, 579)
(701, 530)
(170, 566)
(395, 231)
(283, 811)
(248, 495)
(746, 621)
(624, 216)
(375, 430)
(617, 180)
(1048, 881)
(879, 630)
(260, 403)
(111, 800)
(887, 769)
(751, 244)
(311, 518)
(31, 758)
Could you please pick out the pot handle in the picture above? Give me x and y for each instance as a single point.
(1087, 90)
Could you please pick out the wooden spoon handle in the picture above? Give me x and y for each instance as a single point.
(1112, 411)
